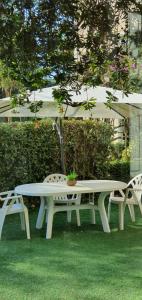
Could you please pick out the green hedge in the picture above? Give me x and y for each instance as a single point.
(29, 151)
(120, 170)
(87, 147)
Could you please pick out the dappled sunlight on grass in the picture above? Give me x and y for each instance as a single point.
(78, 263)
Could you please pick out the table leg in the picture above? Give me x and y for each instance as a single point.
(41, 213)
(102, 211)
(50, 215)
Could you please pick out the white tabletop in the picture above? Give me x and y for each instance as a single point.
(82, 187)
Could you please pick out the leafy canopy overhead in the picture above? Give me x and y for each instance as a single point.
(69, 42)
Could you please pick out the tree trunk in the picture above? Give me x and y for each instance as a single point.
(59, 128)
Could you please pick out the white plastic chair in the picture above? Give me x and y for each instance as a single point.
(131, 197)
(68, 200)
(14, 204)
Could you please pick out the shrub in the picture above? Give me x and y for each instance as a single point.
(117, 150)
(87, 147)
(30, 151)
(120, 170)
(126, 153)
(27, 153)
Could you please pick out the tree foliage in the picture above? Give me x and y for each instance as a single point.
(75, 42)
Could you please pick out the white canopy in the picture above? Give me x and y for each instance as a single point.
(122, 108)
(99, 92)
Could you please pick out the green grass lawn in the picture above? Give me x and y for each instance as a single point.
(83, 263)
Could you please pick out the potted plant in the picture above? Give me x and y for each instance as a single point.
(71, 178)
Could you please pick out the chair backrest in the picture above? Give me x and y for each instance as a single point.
(61, 178)
(136, 183)
(55, 178)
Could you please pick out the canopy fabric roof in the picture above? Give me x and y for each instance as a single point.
(99, 92)
(123, 108)
(51, 110)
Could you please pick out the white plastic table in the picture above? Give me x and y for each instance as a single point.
(49, 190)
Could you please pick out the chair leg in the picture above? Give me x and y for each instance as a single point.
(2, 218)
(121, 215)
(22, 218)
(78, 217)
(140, 206)
(69, 216)
(132, 212)
(45, 216)
(27, 223)
(93, 216)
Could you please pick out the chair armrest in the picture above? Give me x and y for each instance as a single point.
(134, 190)
(13, 200)
(113, 194)
(11, 197)
(7, 193)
